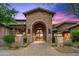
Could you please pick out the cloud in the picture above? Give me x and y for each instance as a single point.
(61, 17)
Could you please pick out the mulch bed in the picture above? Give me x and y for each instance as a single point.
(66, 50)
(4, 47)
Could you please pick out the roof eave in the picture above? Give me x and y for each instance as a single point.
(27, 12)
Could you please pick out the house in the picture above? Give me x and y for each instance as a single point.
(20, 26)
(61, 31)
(38, 27)
(4, 30)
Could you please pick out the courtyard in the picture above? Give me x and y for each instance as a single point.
(37, 48)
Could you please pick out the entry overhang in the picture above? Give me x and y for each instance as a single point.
(38, 9)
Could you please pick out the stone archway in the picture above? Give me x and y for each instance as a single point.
(39, 31)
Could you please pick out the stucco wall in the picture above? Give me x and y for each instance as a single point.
(3, 31)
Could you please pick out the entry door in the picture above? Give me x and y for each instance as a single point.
(39, 35)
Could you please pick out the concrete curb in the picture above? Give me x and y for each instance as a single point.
(74, 48)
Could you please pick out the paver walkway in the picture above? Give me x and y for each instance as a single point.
(35, 49)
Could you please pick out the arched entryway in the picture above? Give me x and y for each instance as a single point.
(39, 31)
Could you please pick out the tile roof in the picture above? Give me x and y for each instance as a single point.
(60, 24)
(36, 9)
(72, 26)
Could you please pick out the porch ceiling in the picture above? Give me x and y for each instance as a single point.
(19, 27)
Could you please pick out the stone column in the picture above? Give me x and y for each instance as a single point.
(13, 31)
(19, 39)
(29, 35)
(49, 35)
(60, 40)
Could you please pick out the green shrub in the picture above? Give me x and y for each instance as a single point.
(68, 43)
(9, 38)
(75, 35)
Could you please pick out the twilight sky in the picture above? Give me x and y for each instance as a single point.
(62, 10)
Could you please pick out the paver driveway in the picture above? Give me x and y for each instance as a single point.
(35, 49)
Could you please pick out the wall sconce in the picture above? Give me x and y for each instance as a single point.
(28, 31)
(49, 31)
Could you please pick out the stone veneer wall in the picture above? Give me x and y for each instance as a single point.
(44, 17)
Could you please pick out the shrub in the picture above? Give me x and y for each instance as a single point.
(9, 39)
(75, 35)
(69, 43)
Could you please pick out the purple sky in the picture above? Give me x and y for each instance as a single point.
(21, 7)
(62, 12)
